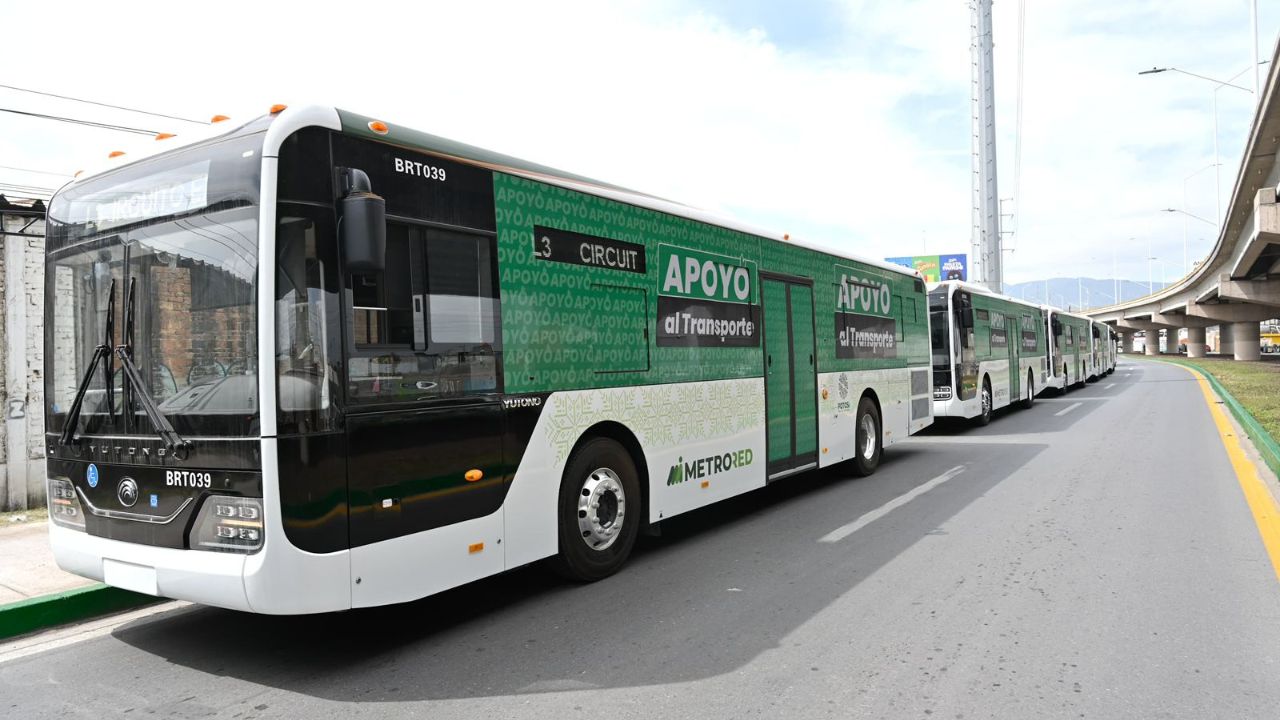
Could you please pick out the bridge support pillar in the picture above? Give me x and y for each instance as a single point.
(1171, 341)
(1124, 340)
(1151, 343)
(1195, 342)
(1245, 338)
(1225, 346)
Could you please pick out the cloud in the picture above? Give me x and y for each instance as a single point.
(858, 139)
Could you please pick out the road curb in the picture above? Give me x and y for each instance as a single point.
(1266, 445)
(61, 608)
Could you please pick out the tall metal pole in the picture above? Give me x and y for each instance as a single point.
(1253, 61)
(986, 205)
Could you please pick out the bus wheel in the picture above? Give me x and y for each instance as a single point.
(985, 417)
(600, 511)
(867, 457)
(1030, 399)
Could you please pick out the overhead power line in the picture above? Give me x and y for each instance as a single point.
(106, 105)
(75, 121)
(38, 172)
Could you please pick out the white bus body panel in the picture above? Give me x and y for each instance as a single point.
(837, 411)
(279, 579)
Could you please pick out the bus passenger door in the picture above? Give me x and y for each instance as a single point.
(791, 402)
(1015, 364)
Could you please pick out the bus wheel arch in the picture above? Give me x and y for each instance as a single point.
(601, 504)
(622, 435)
(987, 401)
(1030, 397)
(868, 427)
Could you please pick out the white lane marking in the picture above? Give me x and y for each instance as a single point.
(61, 637)
(1108, 387)
(845, 531)
(1067, 409)
(1026, 439)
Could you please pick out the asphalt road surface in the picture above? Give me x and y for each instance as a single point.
(1090, 557)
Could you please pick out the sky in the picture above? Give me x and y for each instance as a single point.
(844, 123)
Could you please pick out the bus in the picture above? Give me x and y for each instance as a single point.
(989, 351)
(1103, 354)
(322, 362)
(1069, 349)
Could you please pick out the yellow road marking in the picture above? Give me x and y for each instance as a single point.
(1266, 513)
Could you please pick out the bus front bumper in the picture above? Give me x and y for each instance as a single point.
(286, 582)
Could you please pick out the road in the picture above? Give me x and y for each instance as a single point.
(1090, 557)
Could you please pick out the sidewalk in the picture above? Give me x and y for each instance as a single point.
(27, 568)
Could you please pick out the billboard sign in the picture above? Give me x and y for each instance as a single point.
(936, 267)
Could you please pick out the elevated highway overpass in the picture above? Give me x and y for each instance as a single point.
(1238, 285)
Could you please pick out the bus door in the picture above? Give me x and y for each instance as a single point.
(425, 415)
(1015, 353)
(791, 402)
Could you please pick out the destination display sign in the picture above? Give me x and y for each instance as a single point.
(564, 246)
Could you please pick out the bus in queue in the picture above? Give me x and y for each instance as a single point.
(1069, 349)
(322, 362)
(989, 351)
(1103, 350)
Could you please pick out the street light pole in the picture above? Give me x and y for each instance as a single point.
(1217, 179)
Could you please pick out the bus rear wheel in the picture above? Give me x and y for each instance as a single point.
(985, 417)
(867, 457)
(1030, 398)
(600, 511)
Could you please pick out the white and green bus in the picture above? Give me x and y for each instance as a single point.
(988, 350)
(1103, 355)
(1070, 349)
(322, 362)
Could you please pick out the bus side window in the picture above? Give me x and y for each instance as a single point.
(427, 325)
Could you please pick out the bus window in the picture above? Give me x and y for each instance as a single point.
(307, 329)
(427, 325)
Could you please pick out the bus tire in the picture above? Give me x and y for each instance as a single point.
(987, 401)
(1030, 398)
(600, 511)
(868, 447)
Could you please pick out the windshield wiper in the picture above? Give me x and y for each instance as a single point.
(101, 351)
(136, 389)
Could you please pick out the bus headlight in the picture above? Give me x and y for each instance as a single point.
(64, 506)
(228, 524)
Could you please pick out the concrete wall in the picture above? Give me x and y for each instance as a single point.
(22, 467)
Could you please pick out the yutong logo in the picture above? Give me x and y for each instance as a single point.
(704, 467)
(521, 402)
(127, 492)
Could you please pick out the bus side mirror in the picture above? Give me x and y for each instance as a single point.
(364, 224)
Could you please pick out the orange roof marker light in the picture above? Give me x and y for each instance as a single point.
(116, 153)
(379, 127)
(78, 174)
(218, 118)
(277, 109)
(164, 136)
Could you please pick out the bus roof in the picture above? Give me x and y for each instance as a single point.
(983, 290)
(356, 124)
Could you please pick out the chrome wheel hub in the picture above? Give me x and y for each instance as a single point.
(868, 437)
(602, 506)
(986, 401)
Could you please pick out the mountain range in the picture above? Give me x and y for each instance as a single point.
(1076, 293)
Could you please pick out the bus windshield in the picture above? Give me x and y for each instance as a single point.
(940, 329)
(170, 245)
